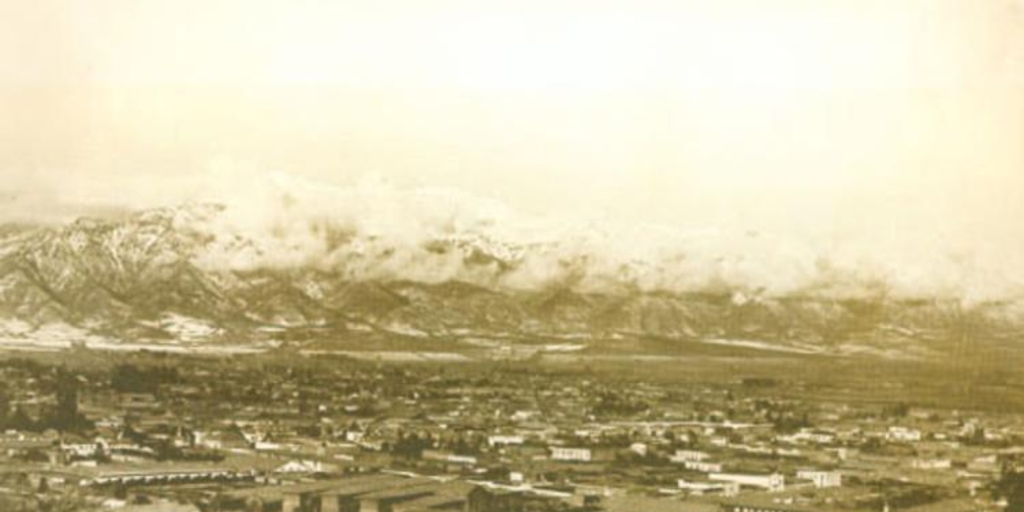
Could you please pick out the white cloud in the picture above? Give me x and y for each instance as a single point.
(376, 231)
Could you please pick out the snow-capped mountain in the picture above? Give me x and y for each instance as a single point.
(176, 275)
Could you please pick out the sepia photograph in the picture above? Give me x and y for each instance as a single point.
(512, 256)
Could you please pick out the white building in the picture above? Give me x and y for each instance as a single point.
(821, 479)
(703, 467)
(523, 415)
(300, 466)
(84, 450)
(773, 482)
(204, 440)
(267, 446)
(571, 454)
(728, 489)
(903, 434)
(462, 459)
(932, 464)
(810, 436)
(689, 456)
(493, 441)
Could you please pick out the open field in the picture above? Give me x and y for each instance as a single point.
(979, 382)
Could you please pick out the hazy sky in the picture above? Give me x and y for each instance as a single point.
(828, 117)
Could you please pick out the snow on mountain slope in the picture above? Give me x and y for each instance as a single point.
(190, 274)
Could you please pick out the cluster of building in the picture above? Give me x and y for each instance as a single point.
(340, 435)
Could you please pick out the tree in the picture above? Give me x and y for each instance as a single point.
(66, 417)
(1011, 487)
(128, 378)
(5, 406)
(21, 420)
(897, 410)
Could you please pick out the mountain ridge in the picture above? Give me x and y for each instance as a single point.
(143, 277)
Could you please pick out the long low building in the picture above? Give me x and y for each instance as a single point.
(772, 482)
(361, 493)
(155, 474)
(164, 477)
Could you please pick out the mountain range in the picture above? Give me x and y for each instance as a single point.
(146, 277)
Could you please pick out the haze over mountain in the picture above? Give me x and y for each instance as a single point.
(312, 265)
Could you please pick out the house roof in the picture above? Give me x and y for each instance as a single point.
(436, 500)
(427, 488)
(351, 486)
(373, 481)
(951, 505)
(635, 503)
